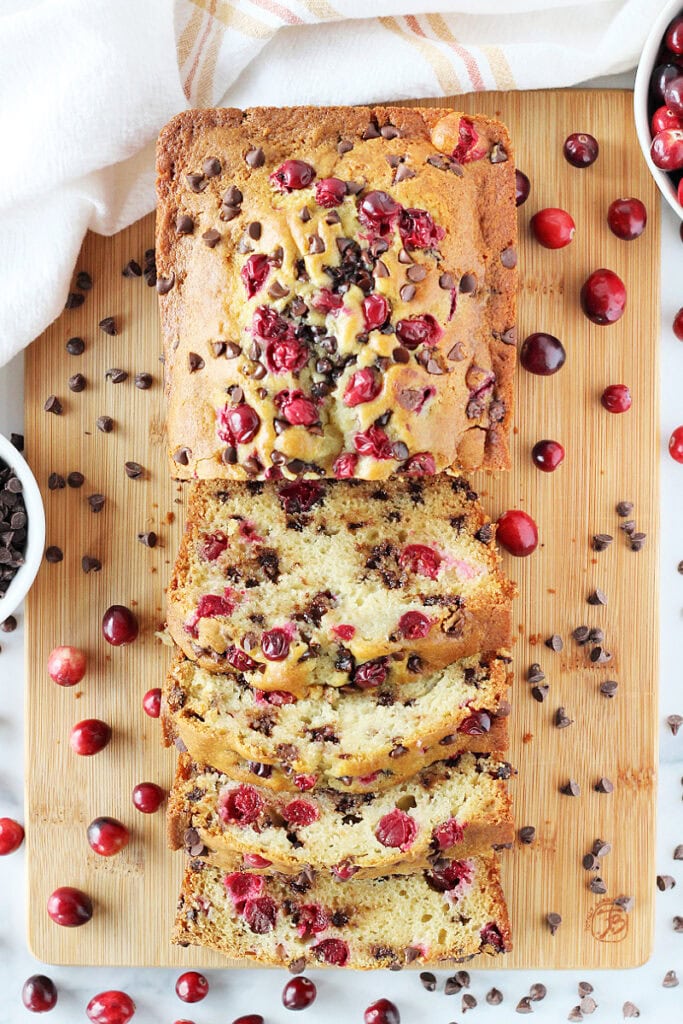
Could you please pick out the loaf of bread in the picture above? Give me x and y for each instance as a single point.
(337, 291)
(451, 912)
(307, 582)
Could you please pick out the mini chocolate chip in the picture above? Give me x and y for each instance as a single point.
(554, 921)
(628, 527)
(581, 634)
(562, 720)
(596, 635)
(277, 291)
(405, 257)
(446, 282)
(105, 424)
(597, 886)
(665, 882)
(570, 788)
(403, 173)
(508, 258)
(535, 673)
(601, 541)
(184, 224)
(416, 273)
(77, 382)
(232, 350)
(407, 292)
(315, 244)
(468, 1002)
(304, 215)
(211, 167)
(74, 300)
(428, 980)
(211, 238)
(381, 269)
(630, 1009)
(588, 1005)
(84, 281)
(608, 688)
(75, 480)
(452, 986)
(90, 564)
(537, 992)
(670, 979)
(554, 642)
(344, 146)
(255, 157)
(96, 502)
(524, 1005)
(195, 362)
(197, 182)
(624, 509)
(56, 482)
(600, 656)
(463, 978)
(674, 722)
(232, 196)
(494, 997)
(9, 624)
(585, 989)
(53, 554)
(230, 456)
(116, 375)
(626, 903)
(164, 284)
(498, 154)
(457, 353)
(108, 325)
(143, 381)
(468, 284)
(677, 923)
(182, 456)
(149, 539)
(678, 852)
(603, 785)
(371, 132)
(53, 405)
(400, 355)
(637, 541)
(132, 269)
(75, 346)
(540, 693)
(527, 834)
(601, 848)
(133, 470)
(597, 597)
(509, 337)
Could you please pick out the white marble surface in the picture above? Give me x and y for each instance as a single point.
(343, 996)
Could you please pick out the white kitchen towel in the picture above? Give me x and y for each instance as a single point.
(85, 86)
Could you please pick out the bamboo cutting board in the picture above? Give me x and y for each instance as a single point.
(609, 458)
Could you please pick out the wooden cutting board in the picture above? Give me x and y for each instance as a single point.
(609, 458)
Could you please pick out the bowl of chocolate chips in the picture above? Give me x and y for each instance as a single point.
(22, 526)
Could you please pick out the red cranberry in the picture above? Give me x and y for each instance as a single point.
(330, 192)
(373, 442)
(663, 118)
(254, 273)
(107, 836)
(305, 782)
(292, 175)
(209, 606)
(674, 36)
(255, 861)
(542, 354)
(371, 674)
(581, 149)
(277, 698)
(603, 297)
(469, 147)
(363, 386)
(678, 325)
(148, 797)
(119, 625)
(238, 424)
(379, 212)
(673, 94)
(553, 228)
(241, 887)
(418, 330)
(376, 310)
(659, 80)
(547, 455)
(477, 724)
(110, 1008)
(667, 149)
(490, 936)
(300, 813)
(313, 919)
(89, 737)
(214, 545)
(66, 665)
(299, 994)
(260, 914)
(396, 830)
(325, 301)
(11, 836)
(616, 398)
(296, 409)
(69, 907)
(421, 464)
(192, 987)
(627, 218)
(275, 644)
(418, 230)
(448, 834)
(240, 660)
(39, 994)
(447, 876)
(420, 559)
(676, 444)
(249, 1018)
(240, 806)
(300, 496)
(151, 702)
(517, 533)
(522, 188)
(334, 952)
(414, 625)
(382, 1012)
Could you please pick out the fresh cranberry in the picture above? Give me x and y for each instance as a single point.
(275, 644)
(627, 218)
(490, 936)
(241, 888)
(370, 674)
(260, 914)
(299, 993)
(667, 149)
(240, 806)
(674, 36)
(326, 301)
(418, 330)
(581, 149)
(418, 230)
(119, 625)
(148, 797)
(296, 409)
(110, 1008)
(330, 192)
(382, 1012)
(421, 464)
(249, 1018)
(616, 398)
(292, 175)
(39, 994)
(379, 212)
(553, 228)
(678, 324)
(673, 94)
(522, 188)
(66, 665)
(300, 496)
(334, 952)
(414, 625)
(214, 545)
(107, 836)
(363, 386)
(344, 632)
(376, 310)
(151, 702)
(254, 273)
(542, 354)
(663, 119)
(255, 861)
(305, 782)
(679, 193)
(397, 830)
(209, 606)
(373, 442)
(676, 444)
(312, 919)
(192, 987)
(659, 79)
(300, 813)
(469, 147)
(603, 297)
(69, 907)
(420, 559)
(89, 737)
(477, 724)
(238, 424)
(11, 836)
(448, 834)
(517, 533)
(547, 455)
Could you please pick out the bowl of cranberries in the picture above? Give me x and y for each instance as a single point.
(22, 526)
(658, 100)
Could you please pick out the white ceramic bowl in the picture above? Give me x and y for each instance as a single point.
(640, 98)
(35, 512)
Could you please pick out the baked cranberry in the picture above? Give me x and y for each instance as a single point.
(414, 625)
(275, 644)
(151, 702)
(373, 442)
(300, 813)
(676, 444)
(334, 952)
(376, 310)
(553, 228)
(667, 149)
(214, 545)
(449, 875)
(299, 993)
(421, 464)
(517, 533)
(363, 386)
(119, 625)
(522, 188)
(300, 496)
(542, 354)
(448, 834)
(603, 297)
(260, 914)
(276, 698)
(325, 301)
(344, 870)
(107, 836)
(371, 674)
(382, 1012)
(69, 907)
(110, 1008)
(305, 782)
(663, 119)
(39, 994)
(241, 887)
(420, 559)
(378, 211)
(148, 797)
(344, 631)
(547, 455)
(240, 806)
(616, 398)
(580, 149)
(255, 861)
(490, 936)
(418, 230)
(659, 79)
(11, 836)
(249, 1018)
(477, 724)
(66, 665)
(312, 919)
(627, 218)
(674, 36)
(89, 737)
(330, 192)
(397, 830)
(254, 273)
(418, 330)
(296, 409)
(209, 606)
(678, 325)
(238, 424)
(469, 147)
(192, 987)
(292, 175)
(673, 94)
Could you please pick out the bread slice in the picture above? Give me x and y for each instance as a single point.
(451, 912)
(298, 584)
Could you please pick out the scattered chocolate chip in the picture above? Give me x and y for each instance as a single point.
(597, 597)
(678, 852)
(96, 502)
(601, 541)
(670, 980)
(149, 539)
(105, 424)
(624, 508)
(524, 1005)
(597, 886)
(630, 1009)
(537, 992)
(628, 527)
(9, 624)
(195, 362)
(143, 381)
(554, 642)
(75, 346)
(77, 382)
(603, 785)
(90, 564)
(596, 635)
(625, 902)
(589, 862)
(575, 1014)
(255, 157)
(680, 568)
(581, 634)
(184, 224)
(571, 788)
(108, 325)
(74, 300)
(116, 375)
(428, 980)
(508, 258)
(463, 978)
(674, 722)
(164, 284)
(562, 720)
(601, 848)
(84, 281)
(527, 834)
(75, 479)
(608, 688)
(665, 882)
(56, 482)
(637, 541)
(53, 405)
(535, 673)
(468, 1002)
(494, 997)
(133, 470)
(677, 923)
(132, 269)
(588, 1005)
(553, 921)
(452, 986)
(53, 554)
(599, 656)
(585, 989)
